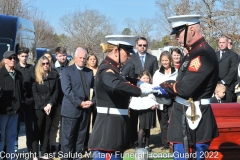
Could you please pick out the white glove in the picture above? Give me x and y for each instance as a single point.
(146, 88)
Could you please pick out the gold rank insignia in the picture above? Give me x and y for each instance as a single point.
(195, 64)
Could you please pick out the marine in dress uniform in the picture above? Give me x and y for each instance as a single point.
(110, 135)
(197, 79)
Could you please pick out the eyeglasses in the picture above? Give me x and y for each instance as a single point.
(140, 45)
(231, 43)
(47, 63)
(10, 58)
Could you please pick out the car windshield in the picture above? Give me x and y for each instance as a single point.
(5, 45)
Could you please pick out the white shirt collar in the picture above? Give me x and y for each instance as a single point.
(57, 64)
(79, 68)
(142, 55)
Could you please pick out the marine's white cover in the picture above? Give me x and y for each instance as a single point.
(121, 39)
(177, 21)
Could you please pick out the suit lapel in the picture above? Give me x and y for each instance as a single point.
(218, 55)
(225, 54)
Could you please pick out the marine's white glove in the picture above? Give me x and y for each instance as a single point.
(146, 88)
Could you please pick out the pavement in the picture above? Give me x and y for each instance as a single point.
(22, 139)
(22, 148)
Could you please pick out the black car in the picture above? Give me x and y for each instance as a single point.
(41, 51)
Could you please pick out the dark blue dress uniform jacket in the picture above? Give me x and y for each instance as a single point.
(197, 79)
(111, 131)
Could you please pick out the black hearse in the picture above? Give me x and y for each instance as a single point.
(17, 32)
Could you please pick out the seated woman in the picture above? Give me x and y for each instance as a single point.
(45, 94)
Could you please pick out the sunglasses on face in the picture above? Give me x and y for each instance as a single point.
(142, 45)
(10, 58)
(231, 43)
(47, 63)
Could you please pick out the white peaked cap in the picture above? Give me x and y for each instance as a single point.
(128, 40)
(182, 21)
(177, 21)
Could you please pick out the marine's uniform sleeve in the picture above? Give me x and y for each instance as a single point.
(196, 72)
(114, 82)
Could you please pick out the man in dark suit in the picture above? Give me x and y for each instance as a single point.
(228, 65)
(76, 82)
(138, 62)
(141, 60)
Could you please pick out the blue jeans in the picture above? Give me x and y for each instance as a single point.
(8, 129)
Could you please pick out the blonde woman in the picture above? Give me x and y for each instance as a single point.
(110, 131)
(45, 94)
(71, 62)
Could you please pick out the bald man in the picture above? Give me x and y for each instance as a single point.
(76, 81)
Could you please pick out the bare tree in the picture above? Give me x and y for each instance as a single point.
(44, 32)
(217, 17)
(16, 7)
(68, 43)
(87, 29)
(144, 27)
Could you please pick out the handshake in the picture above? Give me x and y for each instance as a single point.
(147, 88)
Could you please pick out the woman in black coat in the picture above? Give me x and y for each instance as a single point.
(45, 94)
